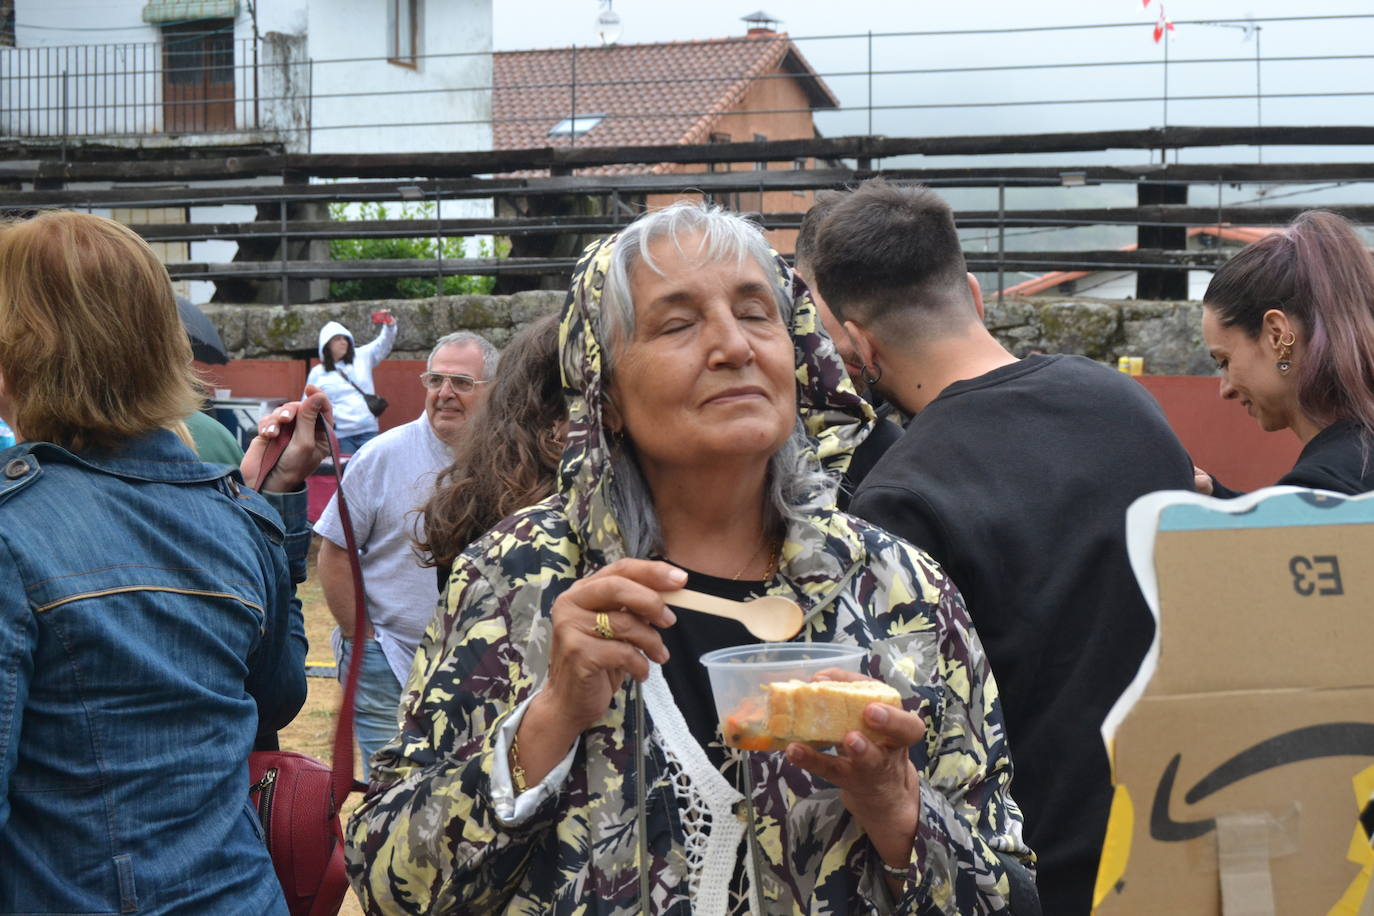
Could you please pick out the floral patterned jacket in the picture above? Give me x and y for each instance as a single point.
(643, 822)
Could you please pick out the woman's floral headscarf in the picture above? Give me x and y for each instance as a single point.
(835, 417)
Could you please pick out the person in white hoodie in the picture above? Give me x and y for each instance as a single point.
(345, 374)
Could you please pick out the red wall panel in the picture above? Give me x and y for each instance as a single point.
(1219, 434)
(398, 380)
(1222, 438)
(257, 378)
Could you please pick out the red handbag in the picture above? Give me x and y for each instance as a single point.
(297, 796)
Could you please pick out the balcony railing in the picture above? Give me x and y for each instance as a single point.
(202, 84)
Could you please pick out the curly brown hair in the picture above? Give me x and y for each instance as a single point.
(508, 455)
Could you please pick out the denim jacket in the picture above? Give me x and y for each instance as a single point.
(149, 632)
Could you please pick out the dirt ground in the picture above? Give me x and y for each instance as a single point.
(312, 732)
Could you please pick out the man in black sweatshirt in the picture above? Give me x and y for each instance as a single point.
(888, 429)
(1015, 475)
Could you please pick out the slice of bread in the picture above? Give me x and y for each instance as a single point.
(822, 712)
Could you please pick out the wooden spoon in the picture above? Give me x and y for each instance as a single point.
(771, 618)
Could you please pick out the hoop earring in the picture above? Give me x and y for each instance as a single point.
(871, 380)
(1286, 342)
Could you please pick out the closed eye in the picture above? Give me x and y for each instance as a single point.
(755, 311)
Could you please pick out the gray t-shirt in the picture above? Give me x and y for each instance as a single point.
(390, 478)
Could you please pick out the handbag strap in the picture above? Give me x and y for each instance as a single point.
(351, 382)
(341, 766)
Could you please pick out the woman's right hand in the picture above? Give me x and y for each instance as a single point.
(586, 669)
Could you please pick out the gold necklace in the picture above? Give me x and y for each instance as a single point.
(772, 559)
(753, 556)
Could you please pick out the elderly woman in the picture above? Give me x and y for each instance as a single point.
(559, 752)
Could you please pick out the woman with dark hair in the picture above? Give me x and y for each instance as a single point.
(149, 632)
(508, 456)
(1290, 323)
(344, 373)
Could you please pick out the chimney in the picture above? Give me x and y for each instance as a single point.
(761, 24)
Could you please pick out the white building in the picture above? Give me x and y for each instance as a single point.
(322, 76)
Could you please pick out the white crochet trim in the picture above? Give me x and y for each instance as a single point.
(708, 802)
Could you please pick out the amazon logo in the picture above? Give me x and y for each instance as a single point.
(1333, 739)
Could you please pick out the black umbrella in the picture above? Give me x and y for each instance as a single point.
(205, 343)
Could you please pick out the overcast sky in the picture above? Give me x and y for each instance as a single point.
(1129, 66)
(549, 23)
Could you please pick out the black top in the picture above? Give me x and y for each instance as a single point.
(885, 433)
(687, 641)
(1339, 458)
(1017, 482)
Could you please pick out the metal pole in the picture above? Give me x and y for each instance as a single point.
(257, 92)
(310, 105)
(870, 82)
(438, 247)
(64, 115)
(1259, 98)
(1001, 240)
(572, 114)
(285, 282)
(1163, 153)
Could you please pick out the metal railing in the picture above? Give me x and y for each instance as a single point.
(1014, 221)
(133, 89)
(1309, 69)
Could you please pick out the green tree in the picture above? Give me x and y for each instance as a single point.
(368, 249)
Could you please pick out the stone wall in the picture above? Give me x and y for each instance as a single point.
(1166, 334)
(274, 332)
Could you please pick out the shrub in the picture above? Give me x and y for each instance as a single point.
(368, 249)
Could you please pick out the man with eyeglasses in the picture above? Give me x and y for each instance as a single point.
(387, 480)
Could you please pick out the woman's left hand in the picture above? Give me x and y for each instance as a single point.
(308, 447)
(879, 785)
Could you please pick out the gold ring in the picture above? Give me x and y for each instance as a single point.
(603, 625)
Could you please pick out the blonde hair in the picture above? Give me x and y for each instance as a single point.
(92, 349)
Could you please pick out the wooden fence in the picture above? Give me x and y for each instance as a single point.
(541, 205)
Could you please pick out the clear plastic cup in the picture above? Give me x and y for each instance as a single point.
(738, 674)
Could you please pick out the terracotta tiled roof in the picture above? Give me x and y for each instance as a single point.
(1242, 234)
(650, 94)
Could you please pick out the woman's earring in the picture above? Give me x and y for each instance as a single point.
(1286, 352)
(871, 379)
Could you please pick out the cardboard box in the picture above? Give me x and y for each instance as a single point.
(1243, 752)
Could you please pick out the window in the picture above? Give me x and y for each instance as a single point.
(6, 23)
(404, 21)
(799, 165)
(718, 137)
(576, 126)
(729, 199)
(752, 201)
(198, 76)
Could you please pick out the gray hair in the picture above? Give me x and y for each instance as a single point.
(490, 355)
(796, 483)
(725, 236)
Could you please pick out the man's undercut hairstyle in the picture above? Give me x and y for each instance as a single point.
(805, 247)
(882, 250)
